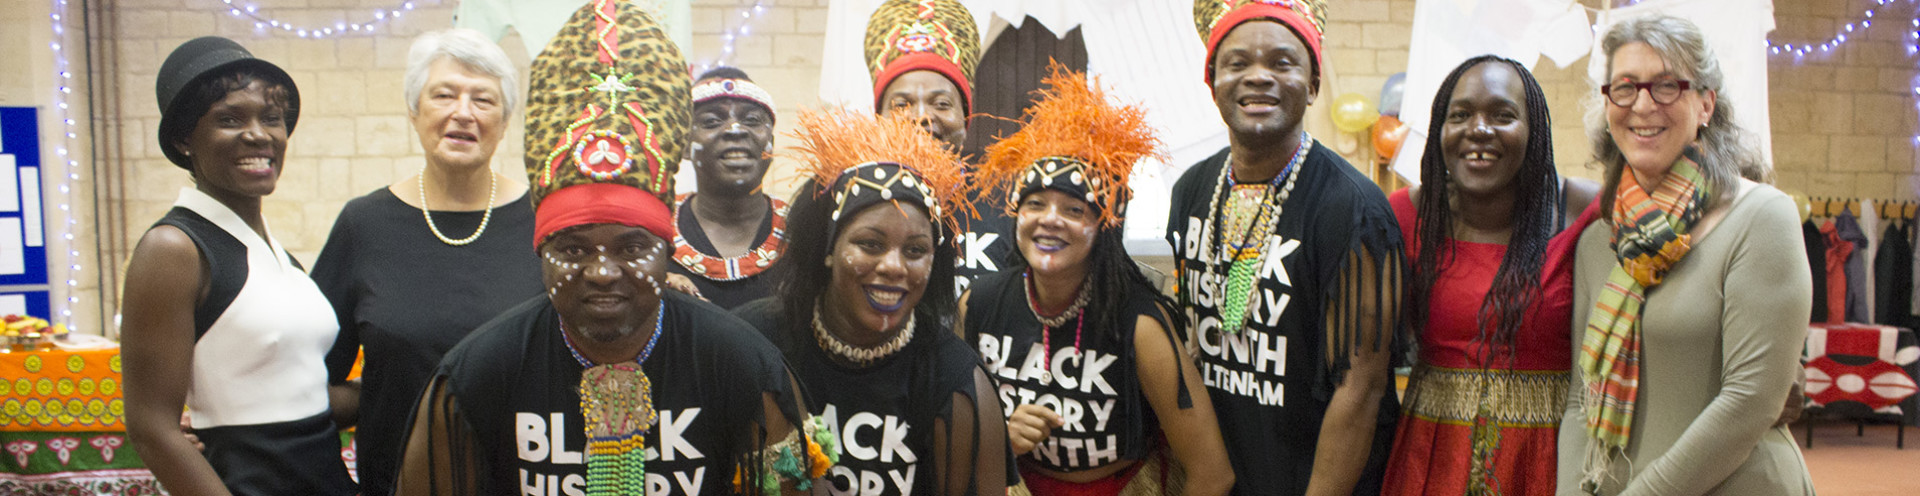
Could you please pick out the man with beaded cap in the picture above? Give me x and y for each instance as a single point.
(609, 384)
(729, 231)
(922, 54)
(1290, 265)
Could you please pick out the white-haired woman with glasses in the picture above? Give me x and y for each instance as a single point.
(1691, 299)
(412, 267)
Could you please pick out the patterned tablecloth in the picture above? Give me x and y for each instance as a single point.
(1864, 364)
(61, 427)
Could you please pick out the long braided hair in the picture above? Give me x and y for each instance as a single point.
(1536, 212)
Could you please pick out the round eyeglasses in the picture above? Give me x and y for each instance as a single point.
(1664, 91)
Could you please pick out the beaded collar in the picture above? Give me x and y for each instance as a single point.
(860, 357)
(749, 264)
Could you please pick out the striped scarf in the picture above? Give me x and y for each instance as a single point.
(1649, 237)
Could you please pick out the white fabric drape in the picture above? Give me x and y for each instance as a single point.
(1145, 52)
(1446, 32)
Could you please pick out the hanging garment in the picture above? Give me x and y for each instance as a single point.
(1817, 260)
(1893, 278)
(1838, 249)
(1848, 227)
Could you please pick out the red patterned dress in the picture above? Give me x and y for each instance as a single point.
(1524, 394)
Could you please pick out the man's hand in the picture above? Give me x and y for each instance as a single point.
(1796, 401)
(1029, 426)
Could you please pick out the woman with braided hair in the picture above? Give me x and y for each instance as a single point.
(860, 305)
(1491, 290)
(1096, 389)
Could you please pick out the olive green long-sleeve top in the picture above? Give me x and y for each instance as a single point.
(1721, 336)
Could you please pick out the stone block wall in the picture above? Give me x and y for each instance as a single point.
(1843, 123)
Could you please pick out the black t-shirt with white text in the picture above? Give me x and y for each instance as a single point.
(1107, 418)
(1271, 382)
(883, 414)
(516, 385)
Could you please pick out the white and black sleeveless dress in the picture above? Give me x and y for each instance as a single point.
(259, 393)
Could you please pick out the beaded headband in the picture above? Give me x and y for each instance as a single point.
(1074, 141)
(865, 160)
(712, 89)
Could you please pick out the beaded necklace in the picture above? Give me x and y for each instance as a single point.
(1073, 311)
(493, 188)
(1235, 266)
(860, 357)
(617, 401)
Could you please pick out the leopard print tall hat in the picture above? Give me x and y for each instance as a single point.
(1215, 18)
(937, 35)
(608, 110)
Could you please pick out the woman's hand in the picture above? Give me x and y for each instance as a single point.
(683, 284)
(186, 431)
(1029, 426)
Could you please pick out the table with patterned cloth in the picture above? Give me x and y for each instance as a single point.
(1863, 371)
(61, 426)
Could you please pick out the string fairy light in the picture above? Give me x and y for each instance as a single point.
(1845, 33)
(1855, 29)
(264, 23)
(63, 81)
(732, 36)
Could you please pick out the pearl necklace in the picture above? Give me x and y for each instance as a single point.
(860, 357)
(493, 188)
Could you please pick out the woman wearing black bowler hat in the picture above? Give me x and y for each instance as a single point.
(218, 317)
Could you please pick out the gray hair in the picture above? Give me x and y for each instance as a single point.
(468, 47)
(1725, 154)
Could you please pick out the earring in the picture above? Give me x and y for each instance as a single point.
(188, 153)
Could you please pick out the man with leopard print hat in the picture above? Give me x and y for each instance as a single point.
(610, 384)
(1289, 266)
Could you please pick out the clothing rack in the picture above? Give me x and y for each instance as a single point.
(1887, 209)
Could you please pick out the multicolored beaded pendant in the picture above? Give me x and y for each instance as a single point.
(617, 401)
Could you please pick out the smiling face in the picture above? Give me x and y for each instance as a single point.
(880, 264)
(604, 279)
(239, 145)
(460, 118)
(1483, 139)
(731, 139)
(1055, 232)
(933, 100)
(1263, 79)
(1652, 135)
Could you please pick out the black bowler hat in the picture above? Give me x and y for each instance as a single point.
(189, 66)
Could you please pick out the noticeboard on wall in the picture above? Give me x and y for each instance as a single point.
(23, 235)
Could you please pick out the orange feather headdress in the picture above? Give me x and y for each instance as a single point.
(1074, 141)
(863, 160)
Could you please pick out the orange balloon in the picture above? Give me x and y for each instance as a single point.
(1388, 133)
